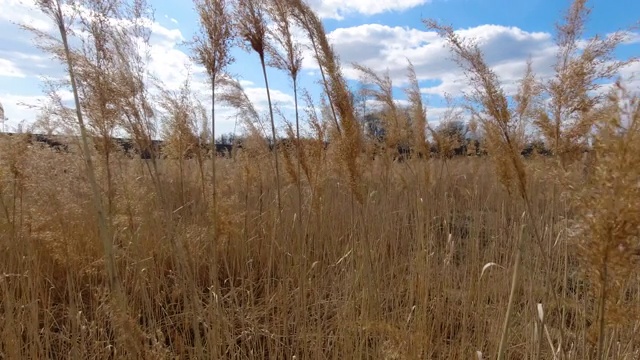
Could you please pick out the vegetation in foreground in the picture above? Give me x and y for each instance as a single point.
(310, 251)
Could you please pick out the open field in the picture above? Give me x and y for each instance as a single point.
(399, 276)
(510, 231)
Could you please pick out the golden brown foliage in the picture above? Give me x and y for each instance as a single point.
(575, 89)
(418, 112)
(607, 224)
(415, 269)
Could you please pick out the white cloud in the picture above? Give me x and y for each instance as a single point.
(171, 19)
(9, 69)
(506, 50)
(385, 48)
(630, 76)
(24, 12)
(338, 9)
(17, 109)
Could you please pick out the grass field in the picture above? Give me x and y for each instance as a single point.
(327, 252)
(404, 275)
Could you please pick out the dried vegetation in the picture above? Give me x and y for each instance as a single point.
(351, 250)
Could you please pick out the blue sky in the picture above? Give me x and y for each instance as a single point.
(379, 34)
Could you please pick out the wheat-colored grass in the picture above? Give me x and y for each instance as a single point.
(354, 257)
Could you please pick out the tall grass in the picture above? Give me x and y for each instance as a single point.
(498, 257)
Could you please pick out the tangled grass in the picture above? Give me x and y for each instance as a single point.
(342, 255)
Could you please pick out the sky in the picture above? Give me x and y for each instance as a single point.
(381, 34)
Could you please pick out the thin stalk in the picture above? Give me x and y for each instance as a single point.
(273, 132)
(514, 285)
(601, 307)
(298, 147)
(213, 162)
(105, 231)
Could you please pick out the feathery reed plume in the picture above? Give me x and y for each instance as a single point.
(528, 100)
(256, 145)
(133, 100)
(98, 90)
(574, 88)
(180, 131)
(313, 168)
(53, 9)
(289, 59)
(54, 114)
(607, 226)
(395, 126)
(233, 94)
(309, 21)
(340, 101)
(497, 119)
(287, 149)
(418, 113)
(451, 133)
(252, 26)
(212, 50)
(2, 118)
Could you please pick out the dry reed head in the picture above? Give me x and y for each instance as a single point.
(528, 100)
(450, 134)
(394, 122)
(250, 22)
(418, 113)
(285, 53)
(495, 114)
(130, 74)
(574, 90)
(233, 95)
(606, 229)
(350, 141)
(180, 121)
(212, 46)
(318, 129)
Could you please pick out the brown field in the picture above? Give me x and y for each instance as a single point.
(316, 251)
(399, 276)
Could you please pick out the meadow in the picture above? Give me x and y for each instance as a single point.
(330, 245)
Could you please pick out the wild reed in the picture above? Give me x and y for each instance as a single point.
(107, 253)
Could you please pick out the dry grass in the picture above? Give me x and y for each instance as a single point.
(402, 277)
(348, 257)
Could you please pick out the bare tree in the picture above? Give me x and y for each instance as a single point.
(2, 116)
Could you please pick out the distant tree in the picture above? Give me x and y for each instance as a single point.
(453, 137)
(227, 139)
(374, 127)
(2, 119)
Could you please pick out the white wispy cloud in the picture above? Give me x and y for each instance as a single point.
(9, 68)
(378, 46)
(168, 62)
(23, 12)
(386, 48)
(339, 9)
